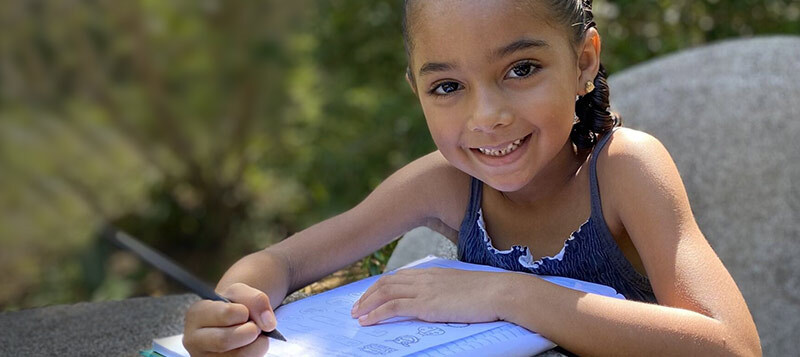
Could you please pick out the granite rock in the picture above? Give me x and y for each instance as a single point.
(111, 328)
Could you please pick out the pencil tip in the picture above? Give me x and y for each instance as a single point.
(276, 335)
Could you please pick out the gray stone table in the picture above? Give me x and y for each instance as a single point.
(113, 328)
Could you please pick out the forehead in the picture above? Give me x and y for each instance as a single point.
(448, 29)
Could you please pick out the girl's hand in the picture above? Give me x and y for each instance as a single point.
(219, 328)
(432, 294)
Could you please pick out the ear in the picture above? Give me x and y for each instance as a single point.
(588, 59)
(410, 80)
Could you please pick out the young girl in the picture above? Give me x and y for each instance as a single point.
(516, 100)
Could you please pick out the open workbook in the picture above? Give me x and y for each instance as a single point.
(321, 325)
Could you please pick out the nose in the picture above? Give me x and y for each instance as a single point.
(490, 111)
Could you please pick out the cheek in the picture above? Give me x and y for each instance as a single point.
(446, 131)
(443, 128)
(553, 99)
(547, 112)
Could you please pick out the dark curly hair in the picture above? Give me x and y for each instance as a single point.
(596, 118)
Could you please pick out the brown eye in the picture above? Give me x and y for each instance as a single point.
(522, 70)
(445, 88)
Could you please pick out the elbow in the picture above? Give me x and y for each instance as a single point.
(747, 343)
(751, 343)
(726, 339)
(752, 346)
(748, 348)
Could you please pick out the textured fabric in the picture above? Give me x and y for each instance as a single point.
(590, 253)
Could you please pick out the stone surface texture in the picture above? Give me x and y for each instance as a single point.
(112, 328)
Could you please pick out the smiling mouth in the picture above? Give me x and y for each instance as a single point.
(499, 152)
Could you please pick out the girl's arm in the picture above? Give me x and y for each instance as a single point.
(257, 283)
(413, 196)
(700, 311)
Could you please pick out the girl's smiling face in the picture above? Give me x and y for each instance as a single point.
(497, 84)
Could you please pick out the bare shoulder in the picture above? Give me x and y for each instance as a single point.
(647, 197)
(630, 146)
(635, 171)
(433, 169)
(441, 187)
(424, 192)
(635, 159)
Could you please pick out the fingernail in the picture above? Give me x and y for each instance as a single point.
(268, 320)
(362, 319)
(355, 307)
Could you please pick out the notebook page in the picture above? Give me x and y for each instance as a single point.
(321, 325)
(506, 341)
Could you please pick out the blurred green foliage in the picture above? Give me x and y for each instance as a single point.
(213, 128)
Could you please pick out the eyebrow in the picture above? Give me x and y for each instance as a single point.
(432, 67)
(518, 45)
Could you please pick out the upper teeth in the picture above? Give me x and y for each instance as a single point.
(504, 151)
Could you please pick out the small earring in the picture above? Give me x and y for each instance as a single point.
(589, 87)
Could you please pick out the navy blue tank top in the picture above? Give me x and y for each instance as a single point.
(590, 253)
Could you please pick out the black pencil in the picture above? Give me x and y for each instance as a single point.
(167, 266)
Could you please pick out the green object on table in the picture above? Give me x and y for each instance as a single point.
(150, 353)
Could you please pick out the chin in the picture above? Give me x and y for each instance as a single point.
(506, 184)
(500, 181)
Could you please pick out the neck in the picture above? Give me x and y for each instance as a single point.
(551, 181)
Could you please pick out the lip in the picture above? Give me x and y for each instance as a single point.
(502, 160)
(500, 146)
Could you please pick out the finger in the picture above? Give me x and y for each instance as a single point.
(222, 339)
(384, 280)
(367, 293)
(370, 290)
(392, 308)
(387, 279)
(207, 313)
(381, 295)
(258, 348)
(257, 302)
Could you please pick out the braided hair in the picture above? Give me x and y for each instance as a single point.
(592, 109)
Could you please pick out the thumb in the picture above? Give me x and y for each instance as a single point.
(257, 303)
